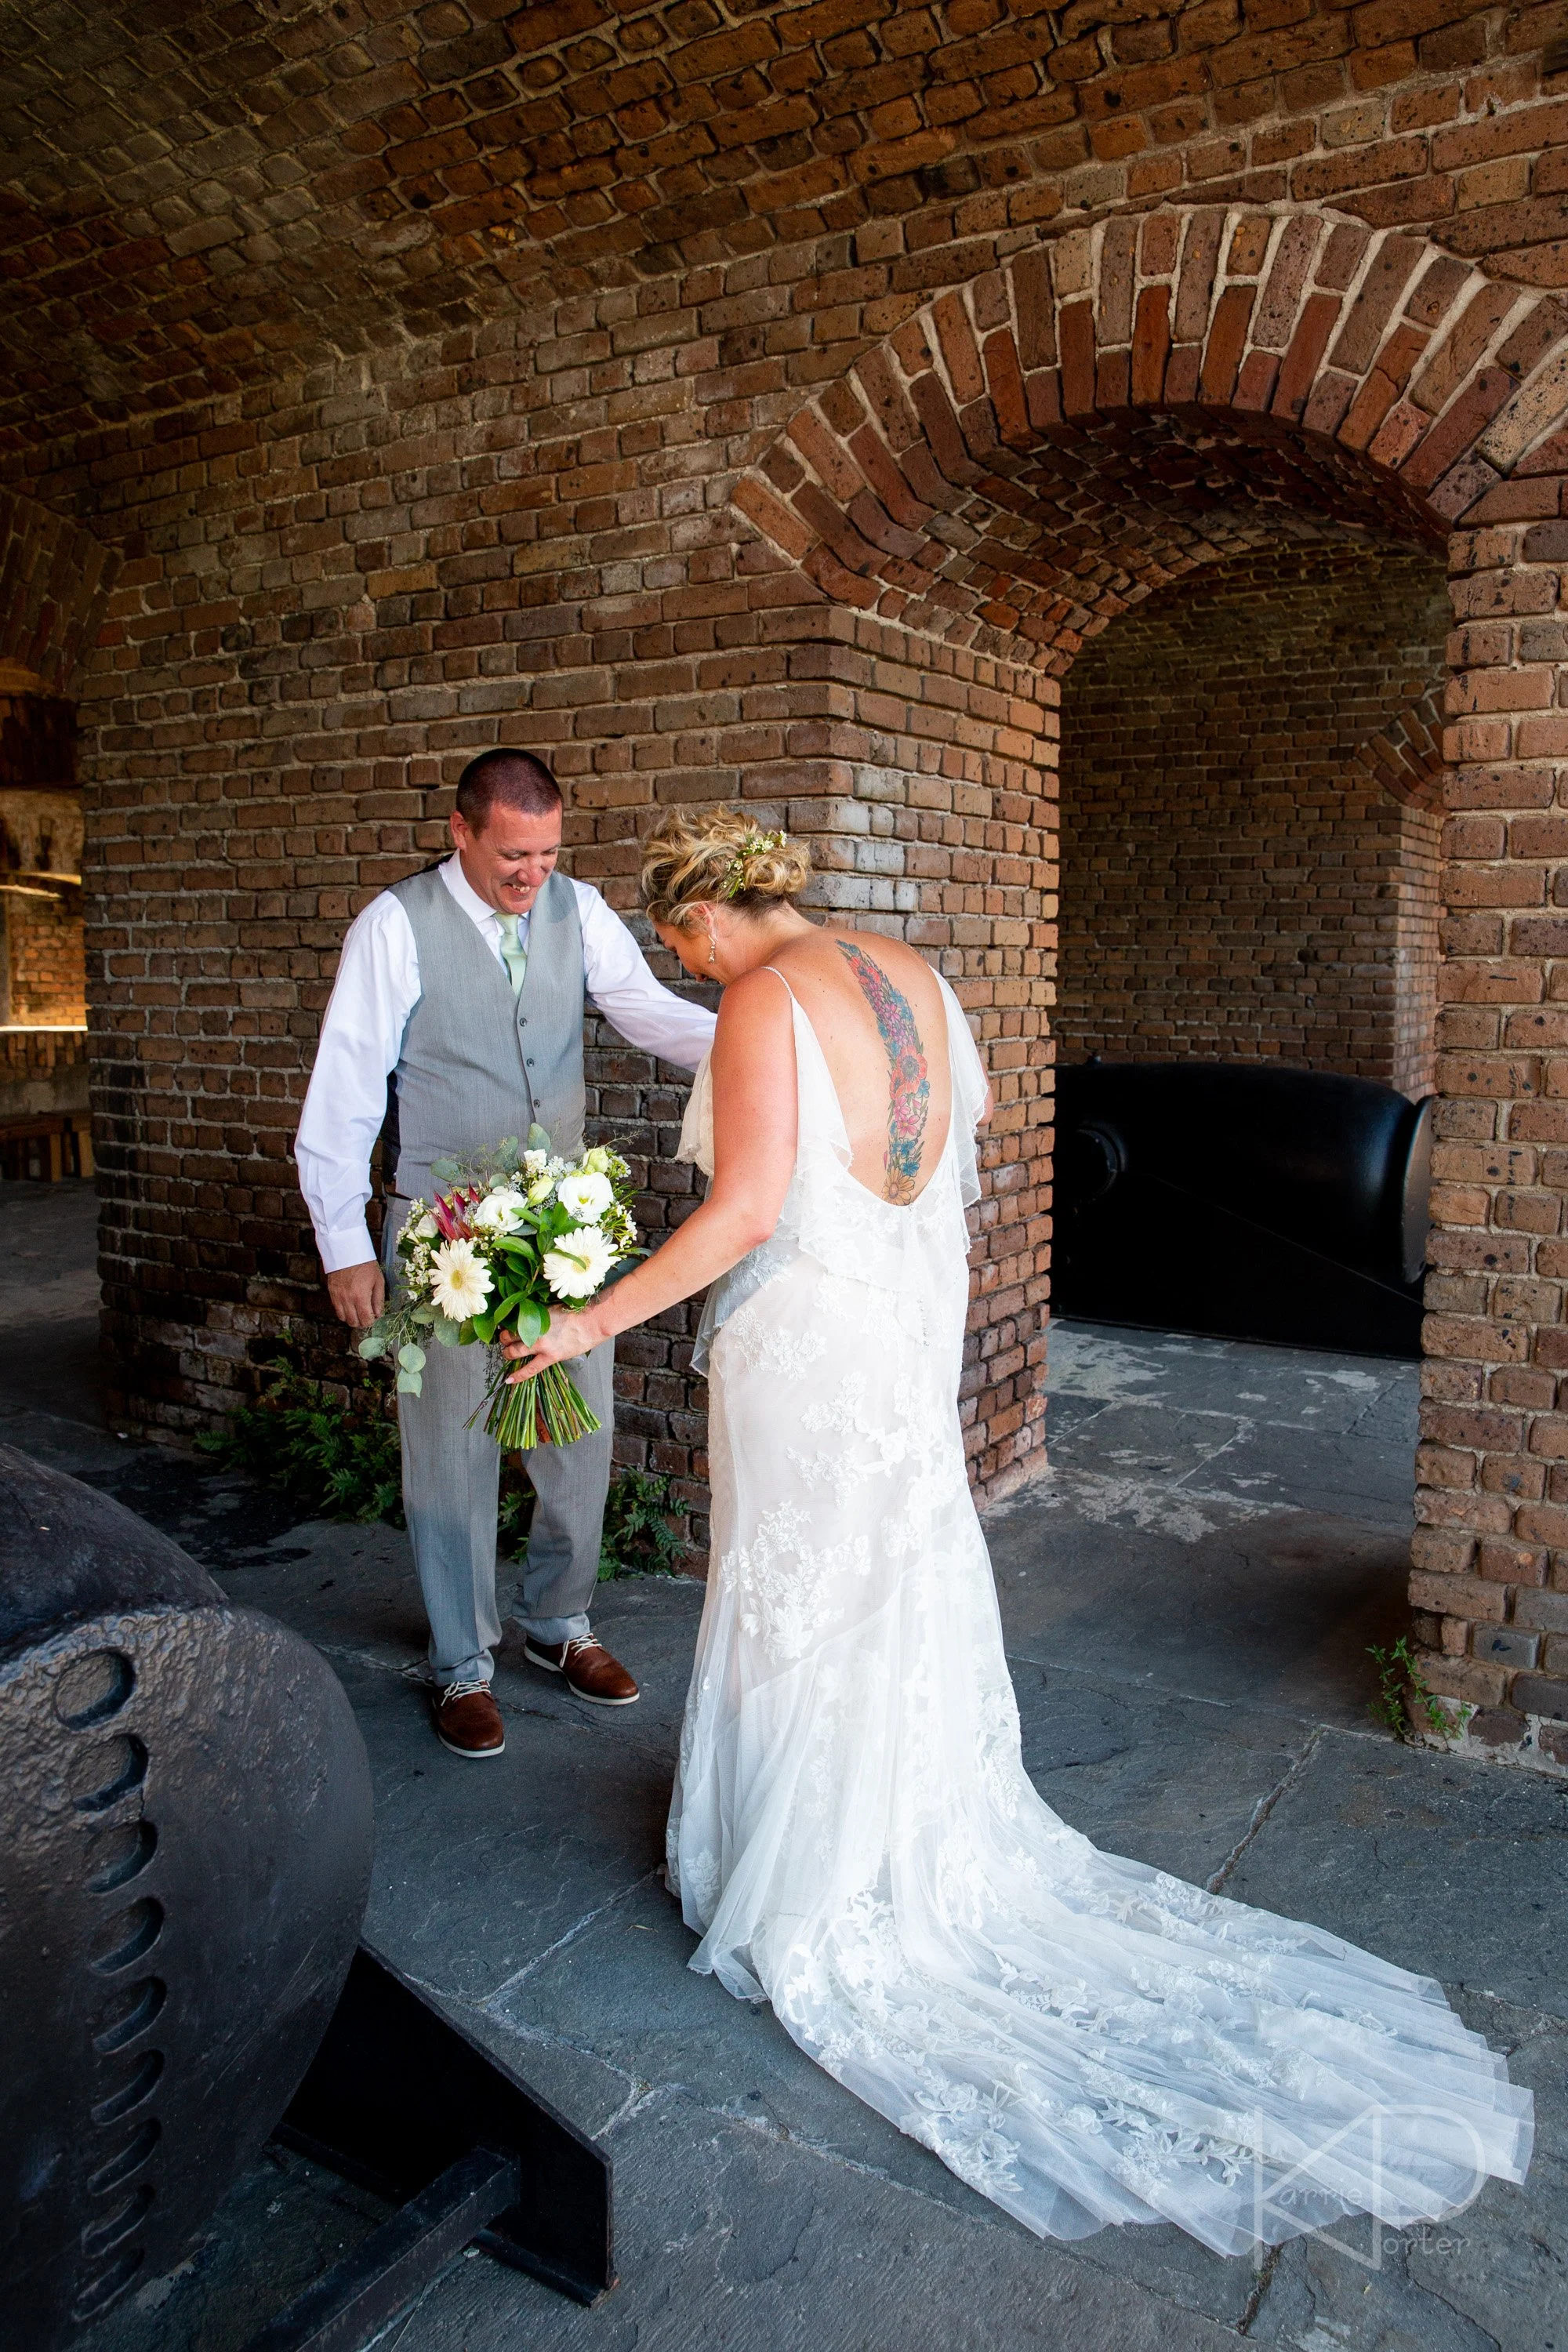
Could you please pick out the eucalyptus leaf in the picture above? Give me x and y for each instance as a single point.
(424, 1315)
(410, 1358)
(539, 1139)
(373, 1345)
(445, 1332)
(445, 1171)
(410, 1383)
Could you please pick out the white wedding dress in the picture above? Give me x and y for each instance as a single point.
(1082, 2038)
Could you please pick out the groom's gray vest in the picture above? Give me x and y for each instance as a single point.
(479, 1064)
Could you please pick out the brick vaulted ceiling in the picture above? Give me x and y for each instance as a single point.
(196, 197)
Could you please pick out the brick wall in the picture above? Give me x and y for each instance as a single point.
(1237, 879)
(42, 1071)
(777, 407)
(44, 954)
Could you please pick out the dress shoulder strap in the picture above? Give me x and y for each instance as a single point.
(778, 975)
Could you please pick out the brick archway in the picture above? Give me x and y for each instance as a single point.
(1265, 370)
(1025, 458)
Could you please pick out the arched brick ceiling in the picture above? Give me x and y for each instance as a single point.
(1050, 547)
(198, 195)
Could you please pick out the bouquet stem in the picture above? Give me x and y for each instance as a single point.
(543, 1410)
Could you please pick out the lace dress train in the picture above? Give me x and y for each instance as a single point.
(1082, 2038)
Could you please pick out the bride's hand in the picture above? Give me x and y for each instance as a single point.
(568, 1336)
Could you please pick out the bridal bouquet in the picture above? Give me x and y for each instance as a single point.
(502, 1237)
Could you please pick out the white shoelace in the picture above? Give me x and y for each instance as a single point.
(461, 1690)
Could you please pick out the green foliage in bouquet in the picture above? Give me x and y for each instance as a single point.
(503, 1237)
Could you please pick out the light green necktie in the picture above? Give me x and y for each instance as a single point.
(515, 955)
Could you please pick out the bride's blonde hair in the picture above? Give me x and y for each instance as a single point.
(716, 856)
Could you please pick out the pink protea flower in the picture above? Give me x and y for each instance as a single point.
(450, 1211)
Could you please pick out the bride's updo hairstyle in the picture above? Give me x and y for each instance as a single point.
(716, 856)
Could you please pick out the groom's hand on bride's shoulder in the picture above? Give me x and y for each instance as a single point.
(358, 1294)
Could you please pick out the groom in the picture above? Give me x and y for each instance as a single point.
(455, 1021)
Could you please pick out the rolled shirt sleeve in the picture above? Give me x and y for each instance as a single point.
(618, 980)
(375, 991)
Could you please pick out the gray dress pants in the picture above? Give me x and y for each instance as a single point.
(451, 1477)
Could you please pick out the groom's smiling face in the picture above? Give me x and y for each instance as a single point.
(509, 861)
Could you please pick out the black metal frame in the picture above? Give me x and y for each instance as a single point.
(403, 2102)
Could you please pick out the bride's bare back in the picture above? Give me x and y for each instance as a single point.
(877, 1014)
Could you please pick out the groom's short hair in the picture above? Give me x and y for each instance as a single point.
(513, 780)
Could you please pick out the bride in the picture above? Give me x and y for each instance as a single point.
(1081, 2037)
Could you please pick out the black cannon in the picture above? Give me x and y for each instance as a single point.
(1243, 1200)
(186, 1858)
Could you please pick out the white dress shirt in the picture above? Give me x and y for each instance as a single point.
(377, 988)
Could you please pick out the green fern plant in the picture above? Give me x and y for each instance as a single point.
(639, 1540)
(331, 1459)
(336, 1460)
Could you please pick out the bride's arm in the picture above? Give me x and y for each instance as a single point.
(754, 1115)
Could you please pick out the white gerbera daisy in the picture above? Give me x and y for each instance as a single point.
(499, 1211)
(578, 1263)
(461, 1284)
(586, 1196)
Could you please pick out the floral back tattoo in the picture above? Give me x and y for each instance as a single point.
(909, 1096)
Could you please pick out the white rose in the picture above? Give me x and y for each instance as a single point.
(499, 1211)
(536, 1162)
(461, 1284)
(578, 1263)
(426, 1229)
(597, 1161)
(586, 1196)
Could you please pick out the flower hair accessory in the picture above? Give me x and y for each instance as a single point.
(755, 844)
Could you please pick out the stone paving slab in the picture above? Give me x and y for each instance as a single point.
(1456, 1869)
(742, 2240)
(1192, 1682)
(1175, 1782)
(1300, 1386)
(1274, 1609)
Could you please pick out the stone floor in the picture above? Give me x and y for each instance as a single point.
(1188, 1600)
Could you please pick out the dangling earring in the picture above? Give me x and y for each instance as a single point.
(713, 949)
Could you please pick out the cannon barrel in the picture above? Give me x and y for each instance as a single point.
(1241, 1199)
(184, 1871)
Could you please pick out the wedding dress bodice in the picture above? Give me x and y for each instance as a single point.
(1082, 2038)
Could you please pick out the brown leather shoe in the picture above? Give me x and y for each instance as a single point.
(467, 1720)
(589, 1670)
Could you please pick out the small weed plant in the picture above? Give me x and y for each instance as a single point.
(1405, 1700)
(334, 1457)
